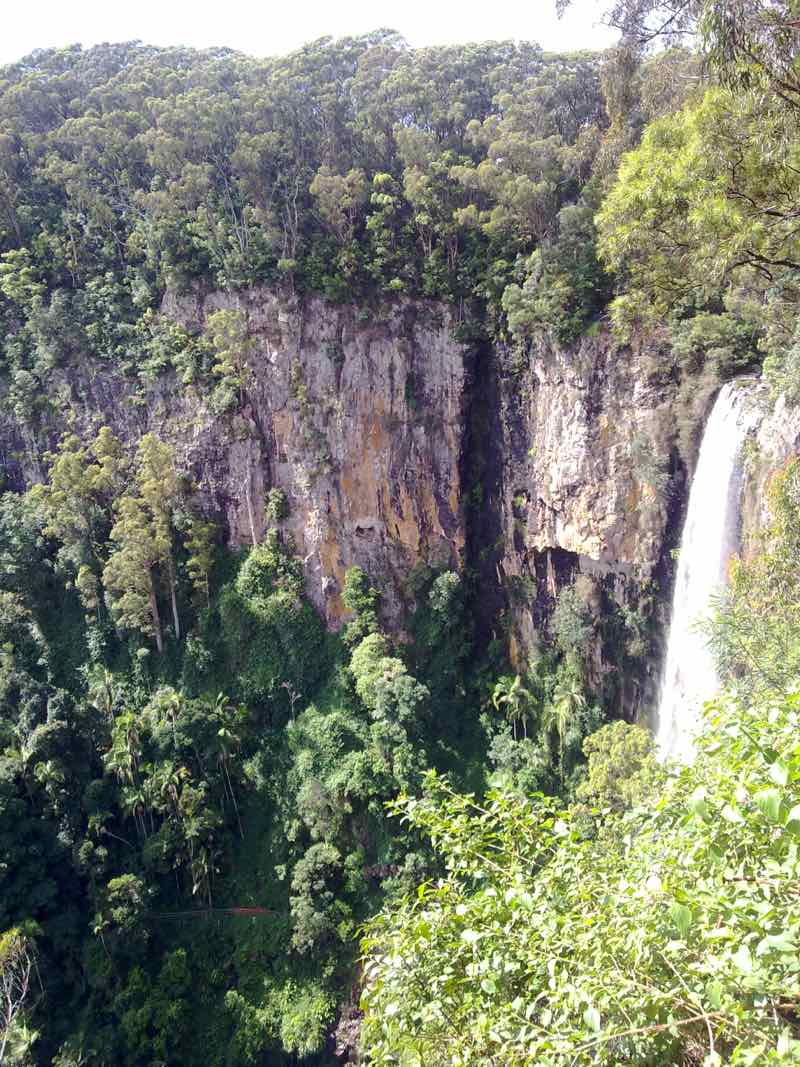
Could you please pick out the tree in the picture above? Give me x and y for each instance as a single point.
(645, 22)
(706, 200)
(622, 765)
(18, 976)
(538, 945)
(516, 699)
(199, 541)
(227, 330)
(119, 922)
(360, 597)
(158, 485)
(753, 627)
(77, 500)
(128, 576)
(340, 199)
(558, 715)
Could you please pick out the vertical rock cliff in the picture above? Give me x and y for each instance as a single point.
(395, 443)
(591, 486)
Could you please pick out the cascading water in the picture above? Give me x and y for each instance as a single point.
(710, 536)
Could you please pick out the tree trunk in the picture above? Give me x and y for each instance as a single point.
(156, 617)
(173, 597)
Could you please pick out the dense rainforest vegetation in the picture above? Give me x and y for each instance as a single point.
(201, 856)
(653, 921)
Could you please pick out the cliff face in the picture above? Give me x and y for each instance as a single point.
(591, 486)
(395, 443)
(357, 416)
(775, 439)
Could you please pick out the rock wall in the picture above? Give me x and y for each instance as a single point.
(591, 485)
(395, 443)
(357, 415)
(775, 440)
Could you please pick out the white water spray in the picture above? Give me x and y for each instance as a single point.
(710, 536)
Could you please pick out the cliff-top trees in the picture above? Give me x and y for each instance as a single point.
(710, 194)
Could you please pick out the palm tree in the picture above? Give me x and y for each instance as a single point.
(568, 699)
(133, 801)
(102, 691)
(228, 742)
(511, 694)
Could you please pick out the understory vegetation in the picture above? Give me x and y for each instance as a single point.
(230, 836)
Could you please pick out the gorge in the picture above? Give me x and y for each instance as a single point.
(375, 424)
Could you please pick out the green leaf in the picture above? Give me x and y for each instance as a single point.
(714, 994)
(775, 943)
(742, 959)
(768, 802)
(779, 773)
(697, 803)
(731, 814)
(681, 916)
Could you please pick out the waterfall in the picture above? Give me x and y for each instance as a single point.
(710, 535)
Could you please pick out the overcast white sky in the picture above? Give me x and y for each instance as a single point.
(270, 28)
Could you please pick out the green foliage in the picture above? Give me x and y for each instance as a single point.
(656, 921)
(316, 911)
(510, 696)
(782, 366)
(363, 600)
(570, 622)
(564, 286)
(136, 794)
(753, 629)
(674, 931)
(721, 342)
(277, 505)
(348, 168)
(687, 213)
(228, 335)
(622, 767)
(18, 963)
(274, 638)
(306, 1017)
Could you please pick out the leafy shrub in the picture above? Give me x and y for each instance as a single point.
(363, 599)
(564, 284)
(719, 342)
(672, 936)
(272, 636)
(277, 505)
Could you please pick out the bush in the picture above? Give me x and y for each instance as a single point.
(570, 622)
(670, 938)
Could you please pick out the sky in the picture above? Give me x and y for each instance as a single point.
(273, 27)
